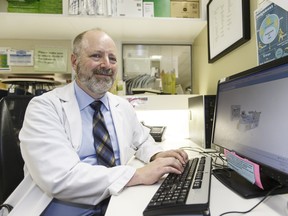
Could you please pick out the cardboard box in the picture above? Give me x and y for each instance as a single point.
(185, 9)
(130, 8)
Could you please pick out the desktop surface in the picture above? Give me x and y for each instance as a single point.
(133, 200)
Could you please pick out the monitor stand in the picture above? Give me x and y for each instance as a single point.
(242, 186)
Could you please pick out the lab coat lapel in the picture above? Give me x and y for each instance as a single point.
(71, 115)
(74, 122)
(118, 123)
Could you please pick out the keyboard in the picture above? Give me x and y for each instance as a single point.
(184, 194)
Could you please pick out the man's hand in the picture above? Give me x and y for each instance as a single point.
(179, 154)
(171, 161)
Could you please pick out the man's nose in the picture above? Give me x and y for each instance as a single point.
(105, 62)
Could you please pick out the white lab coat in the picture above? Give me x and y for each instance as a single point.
(50, 138)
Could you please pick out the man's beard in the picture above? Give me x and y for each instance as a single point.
(95, 84)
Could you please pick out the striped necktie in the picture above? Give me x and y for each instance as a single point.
(102, 142)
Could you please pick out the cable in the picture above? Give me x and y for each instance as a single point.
(214, 154)
(249, 210)
(219, 156)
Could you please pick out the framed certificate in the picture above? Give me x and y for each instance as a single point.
(228, 26)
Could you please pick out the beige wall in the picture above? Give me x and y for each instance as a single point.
(22, 71)
(31, 45)
(206, 75)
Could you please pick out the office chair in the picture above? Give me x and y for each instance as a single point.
(12, 110)
(3, 93)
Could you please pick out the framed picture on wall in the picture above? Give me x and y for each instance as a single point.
(228, 26)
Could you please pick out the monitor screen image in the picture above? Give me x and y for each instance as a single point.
(251, 120)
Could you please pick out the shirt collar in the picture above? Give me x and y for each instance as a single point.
(85, 100)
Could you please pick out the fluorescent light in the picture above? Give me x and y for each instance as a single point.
(155, 57)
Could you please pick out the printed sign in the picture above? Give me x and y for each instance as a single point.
(51, 59)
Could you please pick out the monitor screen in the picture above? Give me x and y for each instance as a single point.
(251, 118)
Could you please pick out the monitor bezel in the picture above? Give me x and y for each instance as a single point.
(269, 175)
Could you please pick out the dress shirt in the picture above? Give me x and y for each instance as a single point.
(87, 150)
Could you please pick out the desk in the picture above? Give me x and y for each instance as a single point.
(133, 200)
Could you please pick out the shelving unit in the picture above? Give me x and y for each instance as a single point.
(25, 26)
(49, 26)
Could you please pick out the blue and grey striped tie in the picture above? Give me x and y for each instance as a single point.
(102, 142)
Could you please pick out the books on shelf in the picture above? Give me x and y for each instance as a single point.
(35, 6)
(107, 8)
(131, 8)
(135, 8)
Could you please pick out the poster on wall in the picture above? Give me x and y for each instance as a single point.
(281, 3)
(271, 33)
(20, 57)
(52, 59)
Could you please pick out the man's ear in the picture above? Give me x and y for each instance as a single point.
(74, 61)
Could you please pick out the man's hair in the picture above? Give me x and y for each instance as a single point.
(77, 42)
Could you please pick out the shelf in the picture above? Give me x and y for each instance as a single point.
(55, 76)
(25, 26)
(64, 27)
(11, 74)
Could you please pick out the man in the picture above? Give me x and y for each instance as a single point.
(58, 138)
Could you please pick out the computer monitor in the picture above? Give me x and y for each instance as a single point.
(201, 109)
(251, 121)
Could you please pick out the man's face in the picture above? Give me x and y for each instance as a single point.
(96, 66)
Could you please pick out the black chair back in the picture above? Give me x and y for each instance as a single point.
(3, 93)
(12, 111)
